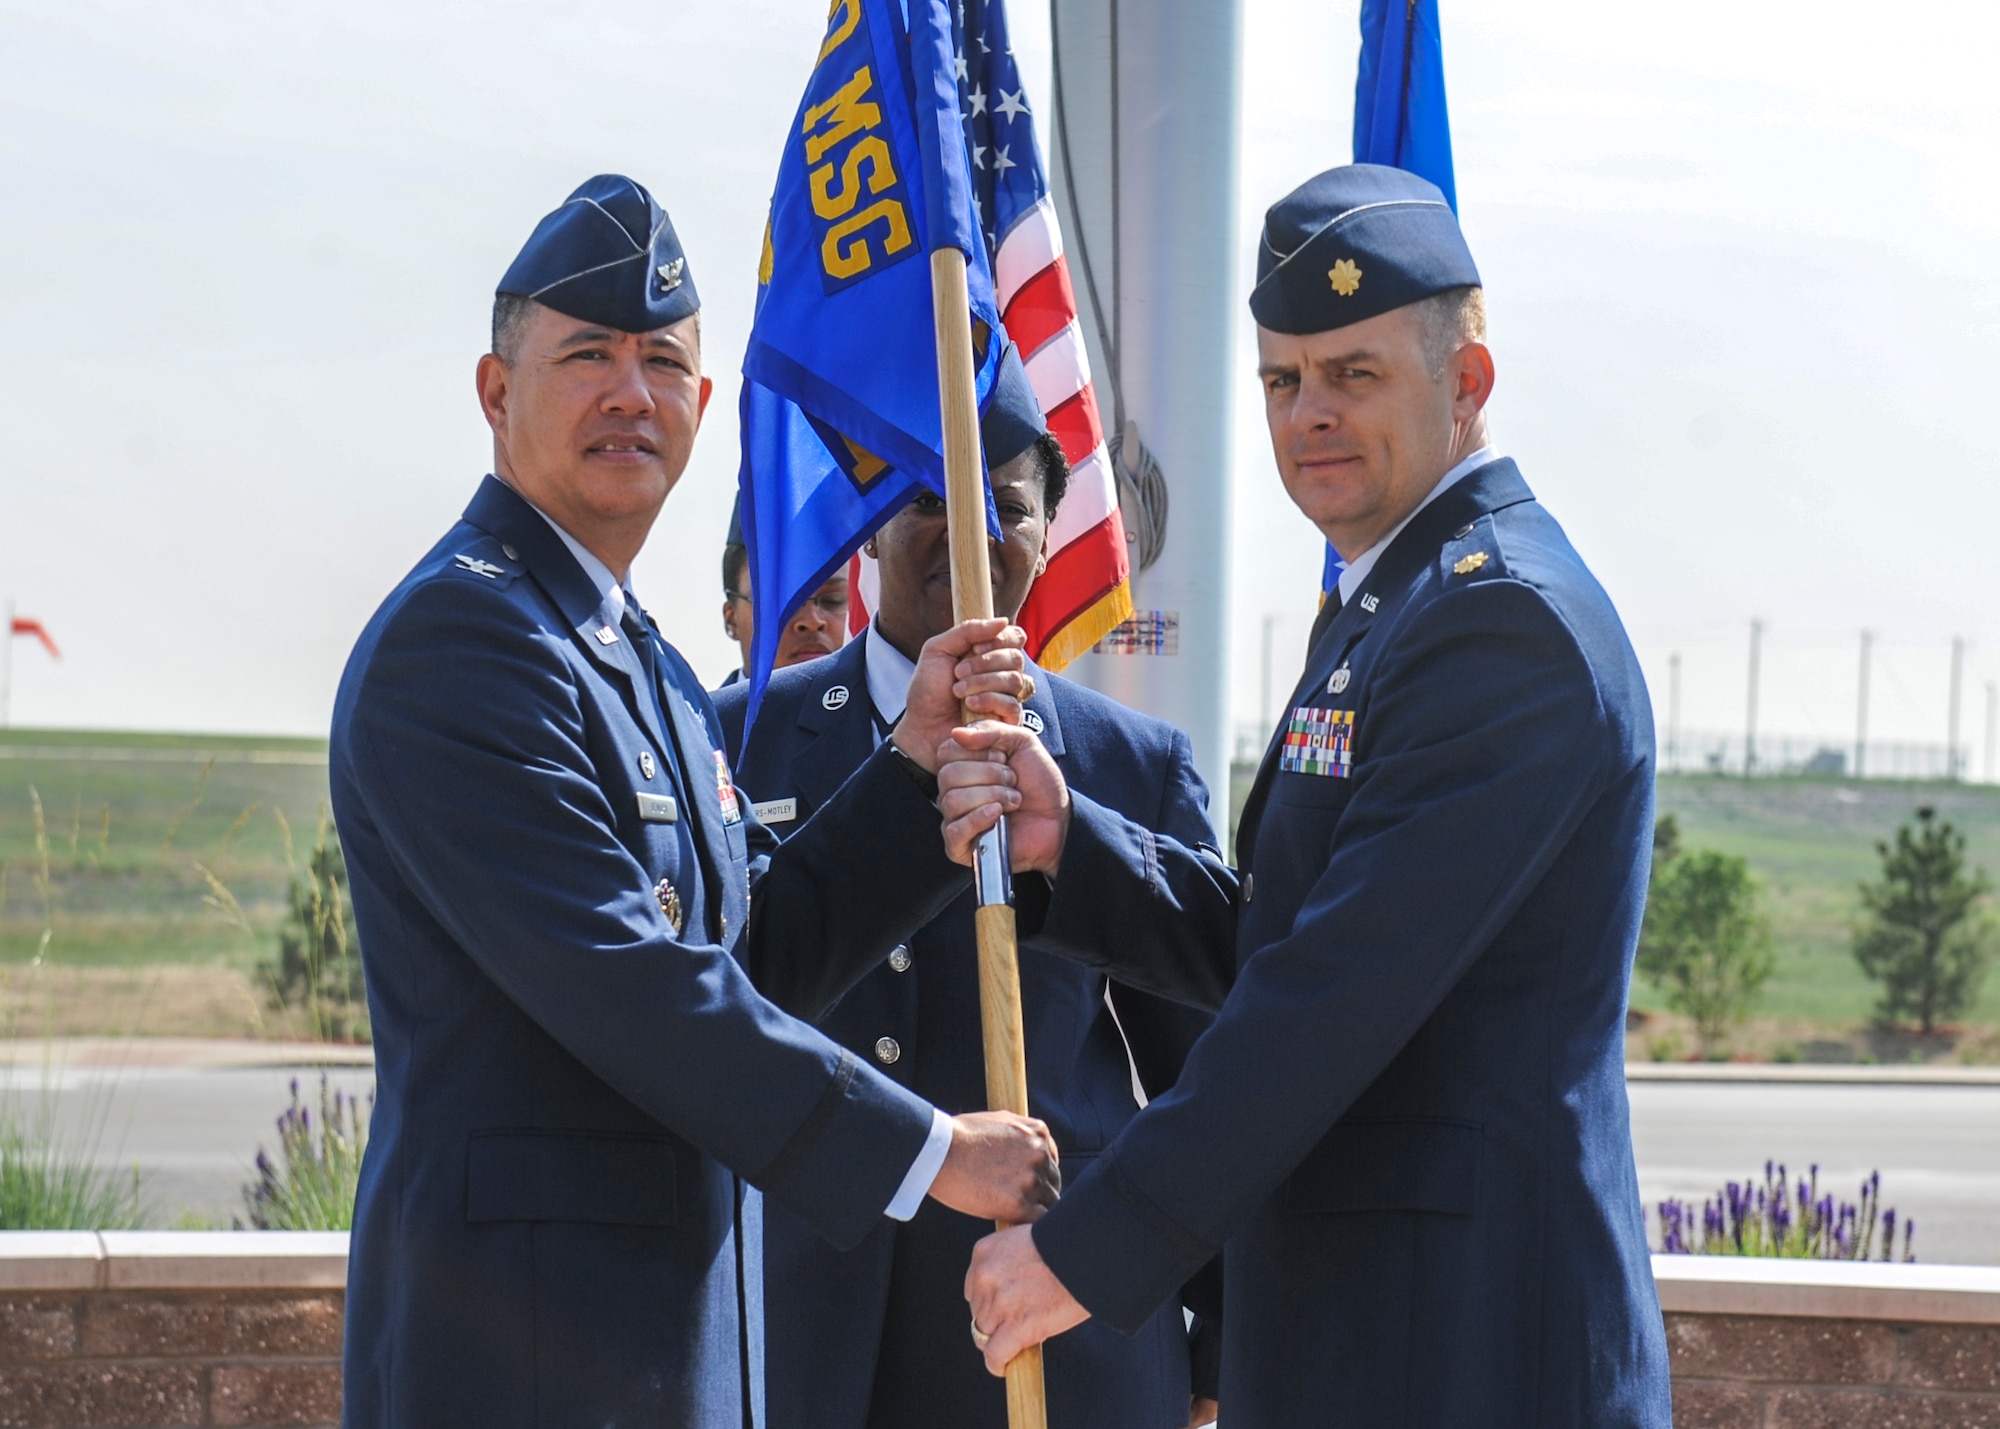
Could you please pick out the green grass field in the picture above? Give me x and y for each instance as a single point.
(176, 852)
(1810, 842)
(150, 848)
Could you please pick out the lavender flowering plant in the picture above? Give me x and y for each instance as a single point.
(311, 1184)
(1774, 1220)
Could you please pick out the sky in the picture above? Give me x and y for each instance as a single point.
(1742, 263)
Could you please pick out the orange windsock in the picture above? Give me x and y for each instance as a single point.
(24, 626)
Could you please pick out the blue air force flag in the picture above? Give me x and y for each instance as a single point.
(1400, 117)
(840, 395)
(1399, 110)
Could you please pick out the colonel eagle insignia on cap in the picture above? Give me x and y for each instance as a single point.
(608, 255)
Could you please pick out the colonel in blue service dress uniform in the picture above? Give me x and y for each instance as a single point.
(874, 1337)
(1409, 1121)
(551, 869)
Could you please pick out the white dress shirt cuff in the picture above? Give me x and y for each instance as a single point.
(924, 1170)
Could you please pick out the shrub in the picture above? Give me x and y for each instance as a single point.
(318, 968)
(45, 1187)
(1666, 840)
(310, 1187)
(1744, 1218)
(1704, 943)
(1924, 935)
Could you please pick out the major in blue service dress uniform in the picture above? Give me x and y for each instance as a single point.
(1409, 1121)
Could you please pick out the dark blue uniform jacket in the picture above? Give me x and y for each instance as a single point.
(1409, 1120)
(552, 1228)
(877, 1335)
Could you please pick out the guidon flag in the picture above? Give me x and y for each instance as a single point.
(1086, 591)
(840, 415)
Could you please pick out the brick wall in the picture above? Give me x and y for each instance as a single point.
(149, 1330)
(149, 1359)
(1776, 1372)
(1786, 1344)
(143, 1330)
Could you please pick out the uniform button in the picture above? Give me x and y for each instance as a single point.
(886, 1050)
(1249, 886)
(510, 553)
(899, 959)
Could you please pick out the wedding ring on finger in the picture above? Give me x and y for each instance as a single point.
(980, 1339)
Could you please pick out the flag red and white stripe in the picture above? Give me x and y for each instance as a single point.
(1086, 591)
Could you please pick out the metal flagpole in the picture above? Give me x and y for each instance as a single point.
(1144, 172)
(1750, 713)
(6, 662)
(1954, 768)
(1861, 710)
(972, 599)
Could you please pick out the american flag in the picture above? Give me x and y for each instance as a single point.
(1086, 591)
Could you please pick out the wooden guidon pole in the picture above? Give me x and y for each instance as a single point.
(972, 599)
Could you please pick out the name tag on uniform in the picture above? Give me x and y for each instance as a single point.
(776, 811)
(1318, 742)
(657, 809)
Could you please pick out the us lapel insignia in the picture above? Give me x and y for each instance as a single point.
(1032, 722)
(1466, 565)
(834, 698)
(670, 904)
(1318, 742)
(725, 790)
(1371, 603)
(1337, 681)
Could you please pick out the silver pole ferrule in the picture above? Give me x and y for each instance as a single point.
(991, 880)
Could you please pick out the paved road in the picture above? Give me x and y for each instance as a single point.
(1938, 1149)
(195, 1131)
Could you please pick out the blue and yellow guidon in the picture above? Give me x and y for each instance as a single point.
(862, 466)
(860, 204)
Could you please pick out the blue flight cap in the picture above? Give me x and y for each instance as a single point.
(1013, 417)
(609, 255)
(1352, 244)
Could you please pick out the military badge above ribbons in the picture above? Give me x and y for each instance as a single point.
(840, 415)
(1318, 742)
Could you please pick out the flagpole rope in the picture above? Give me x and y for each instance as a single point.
(1142, 486)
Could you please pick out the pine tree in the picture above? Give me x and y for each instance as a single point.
(1705, 943)
(1924, 935)
(318, 968)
